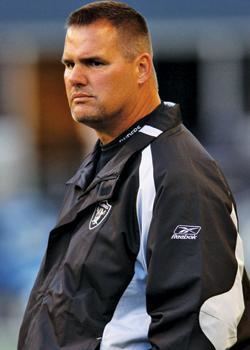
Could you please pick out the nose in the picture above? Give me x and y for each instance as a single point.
(77, 75)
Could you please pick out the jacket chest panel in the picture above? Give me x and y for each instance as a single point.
(85, 257)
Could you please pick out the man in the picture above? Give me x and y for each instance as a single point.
(146, 253)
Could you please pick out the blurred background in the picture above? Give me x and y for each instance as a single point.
(202, 57)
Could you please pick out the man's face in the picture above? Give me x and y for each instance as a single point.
(101, 84)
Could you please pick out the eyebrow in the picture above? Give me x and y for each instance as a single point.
(85, 60)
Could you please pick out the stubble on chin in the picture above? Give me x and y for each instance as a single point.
(99, 119)
(94, 121)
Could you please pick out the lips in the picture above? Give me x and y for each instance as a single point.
(80, 96)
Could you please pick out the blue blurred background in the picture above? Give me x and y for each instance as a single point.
(202, 57)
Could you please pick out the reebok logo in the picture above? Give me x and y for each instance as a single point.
(186, 232)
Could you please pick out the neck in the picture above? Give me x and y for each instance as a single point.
(136, 112)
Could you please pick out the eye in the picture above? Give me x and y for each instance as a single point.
(68, 64)
(95, 63)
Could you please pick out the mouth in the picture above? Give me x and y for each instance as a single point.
(79, 97)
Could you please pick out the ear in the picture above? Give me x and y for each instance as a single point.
(144, 67)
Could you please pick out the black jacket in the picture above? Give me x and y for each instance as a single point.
(144, 256)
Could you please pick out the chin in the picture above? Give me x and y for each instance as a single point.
(77, 118)
(87, 119)
(81, 114)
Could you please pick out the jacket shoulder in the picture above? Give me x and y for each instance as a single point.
(180, 160)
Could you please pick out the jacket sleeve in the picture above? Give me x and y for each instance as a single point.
(195, 264)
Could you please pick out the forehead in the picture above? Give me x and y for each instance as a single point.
(91, 39)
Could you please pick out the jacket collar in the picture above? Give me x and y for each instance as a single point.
(167, 119)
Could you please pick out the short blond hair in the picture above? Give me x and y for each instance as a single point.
(132, 27)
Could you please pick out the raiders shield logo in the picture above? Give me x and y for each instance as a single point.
(100, 213)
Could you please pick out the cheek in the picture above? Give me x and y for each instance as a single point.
(114, 85)
(105, 82)
(67, 85)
